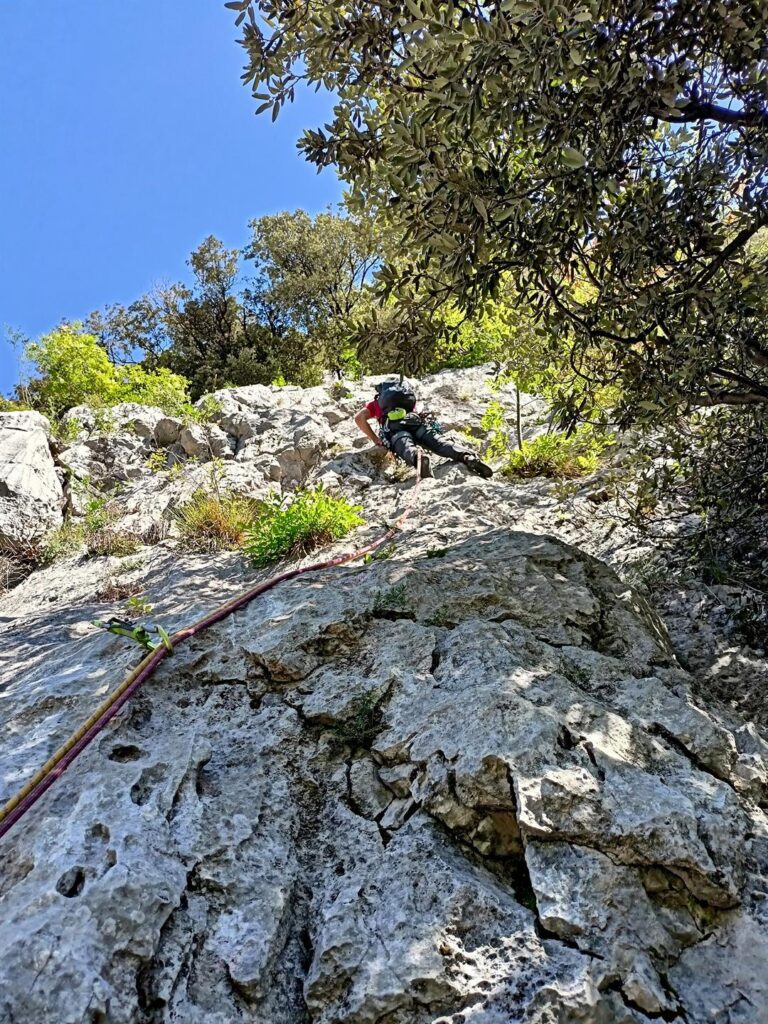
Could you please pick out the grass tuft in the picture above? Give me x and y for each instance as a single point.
(215, 522)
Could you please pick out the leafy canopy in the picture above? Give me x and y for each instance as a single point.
(609, 155)
(283, 308)
(312, 274)
(70, 368)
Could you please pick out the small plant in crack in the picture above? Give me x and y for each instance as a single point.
(440, 617)
(437, 552)
(394, 599)
(362, 724)
(137, 606)
(380, 556)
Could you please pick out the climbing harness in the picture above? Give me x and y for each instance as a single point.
(431, 421)
(58, 763)
(139, 632)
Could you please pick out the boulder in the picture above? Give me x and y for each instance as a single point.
(31, 497)
(167, 431)
(127, 417)
(138, 419)
(206, 442)
(27, 419)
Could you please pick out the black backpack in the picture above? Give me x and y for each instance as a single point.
(393, 395)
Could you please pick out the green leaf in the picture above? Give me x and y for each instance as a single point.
(481, 208)
(572, 157)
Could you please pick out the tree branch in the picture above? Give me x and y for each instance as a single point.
(736, 243)
(735, 398)
(696, 111)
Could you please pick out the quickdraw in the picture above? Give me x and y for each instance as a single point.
(139, 632)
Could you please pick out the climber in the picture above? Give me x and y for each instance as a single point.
(402, 429)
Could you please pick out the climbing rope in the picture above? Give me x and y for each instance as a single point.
(57, 764)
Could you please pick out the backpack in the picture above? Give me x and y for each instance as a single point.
(393, 395)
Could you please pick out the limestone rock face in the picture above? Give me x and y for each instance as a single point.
(167, 431)
(467, 782)
(205, 442)
(31, 497)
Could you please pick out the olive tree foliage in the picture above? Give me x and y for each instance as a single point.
(608, 155)
(283, 308)
(313, 273)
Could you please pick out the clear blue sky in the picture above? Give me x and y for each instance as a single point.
(126, 137)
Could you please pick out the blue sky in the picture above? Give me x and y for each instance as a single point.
(126, 137)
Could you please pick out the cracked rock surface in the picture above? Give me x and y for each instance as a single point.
(466, 784)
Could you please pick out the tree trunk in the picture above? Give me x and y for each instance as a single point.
(518, 419)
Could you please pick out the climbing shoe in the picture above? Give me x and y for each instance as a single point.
(474, 465)
(426, 468)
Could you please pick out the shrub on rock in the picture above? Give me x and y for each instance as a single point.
(311, 519)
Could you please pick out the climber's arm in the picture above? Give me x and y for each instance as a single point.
(362, 421)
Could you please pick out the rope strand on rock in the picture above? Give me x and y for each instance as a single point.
(57, 764)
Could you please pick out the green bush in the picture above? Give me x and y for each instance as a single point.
(71, 368)
(11, 405)
(559, 455)
(169, 391)
(497, 438)
(212, 521)
(62, 542)
(66, 431)
(202, 412)
(311, 519)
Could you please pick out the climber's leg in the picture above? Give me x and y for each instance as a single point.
(404, 446)
(447, 450)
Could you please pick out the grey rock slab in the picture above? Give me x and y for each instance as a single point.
(723, 979)
(583, 897)
(393, 941)
(367, 796)
(107, 461)
(468, 782)
(31, 496)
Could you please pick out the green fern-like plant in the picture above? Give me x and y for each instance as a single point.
(293, 528)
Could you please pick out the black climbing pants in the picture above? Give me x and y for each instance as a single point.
(404, 443)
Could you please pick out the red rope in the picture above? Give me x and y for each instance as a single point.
(18, 806)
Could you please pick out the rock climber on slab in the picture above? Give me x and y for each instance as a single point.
(402, 429)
